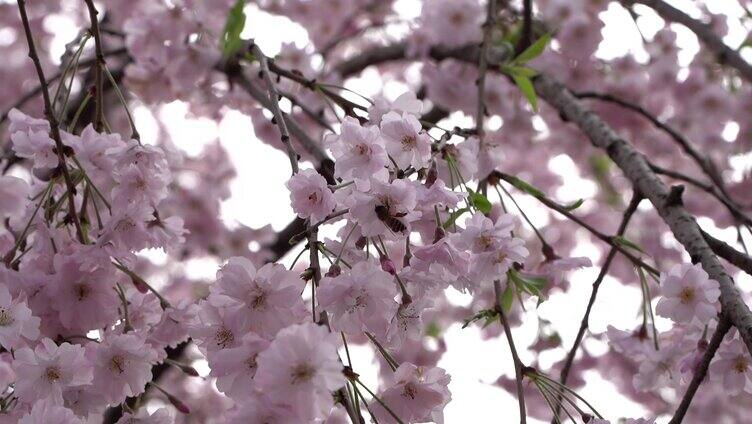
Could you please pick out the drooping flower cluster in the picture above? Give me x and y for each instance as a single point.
(101, 314)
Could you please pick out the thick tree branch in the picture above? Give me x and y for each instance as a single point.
(669, 206)
(633, 164)
(726, 55)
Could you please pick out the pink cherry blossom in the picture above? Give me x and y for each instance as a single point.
(235, 367)
(404, 140)
(46, 411)
(733, 367)
(17, 324)
(359, 153)
(310, 196)
(688, 294)
(43, 373)
(415, 394)
(301, 367)
(268, 298)
(122, 366)
(13, 191)
(361, 299)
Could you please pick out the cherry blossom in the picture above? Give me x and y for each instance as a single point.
(43, 373)
(688, 294)
(309, 195)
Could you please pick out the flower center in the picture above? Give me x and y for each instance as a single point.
(224, 337)
(687, 295)
(408, 142)
(409, 391)
(302, 373)
(82, 291)
(251, 363)
(457, 18)
(313, 197)
(117, 364)
(362, 149)
(6, 318)
(741, 365)
(52, 374)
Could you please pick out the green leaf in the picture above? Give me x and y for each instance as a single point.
(453, 217)
(507, 298)
(622, 241)
(480, 202)
(574, 205)
(531, 285)
(230, 42)
(525, 186)
(534, 50)
(485, 314)
(520, 71)
(526, 86)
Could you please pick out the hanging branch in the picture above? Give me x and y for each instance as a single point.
(626, 217)
(702, 370)
(54, 128)
(519, 367)
(98, 72)
(488, 27)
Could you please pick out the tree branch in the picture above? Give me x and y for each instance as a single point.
(54, 128)
(633, 164)
(726, 55)
(518, 366)
(669, 206)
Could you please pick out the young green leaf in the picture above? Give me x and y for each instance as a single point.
(453, 217)
(519, 71)
(507, 298)
(534, 50)
(230, 42)
(485, 314)
(525, 186)
(574, 205)
(622, 241)
(480, 202)
(526, 86)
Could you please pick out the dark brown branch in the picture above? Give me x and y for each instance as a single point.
(98, 71)
(627, 216)
(702, 370)
(726, 55)
(54, 129)
(526, 36)
(488, 26)
(279, 118)
(703, 161)
(733, 256)
(519, 367)
(601, 236)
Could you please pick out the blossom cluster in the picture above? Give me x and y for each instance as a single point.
(92, 326)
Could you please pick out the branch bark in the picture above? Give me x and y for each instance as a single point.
(638, 171)
(634, 165)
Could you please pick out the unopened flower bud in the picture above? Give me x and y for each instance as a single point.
(387, 265)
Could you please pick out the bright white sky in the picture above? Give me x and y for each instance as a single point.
(259, 198)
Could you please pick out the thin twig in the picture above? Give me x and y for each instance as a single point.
(627, 216)
(702, 369)
(274, 100)
(518, 366)
(54, 128)
(99, 57)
